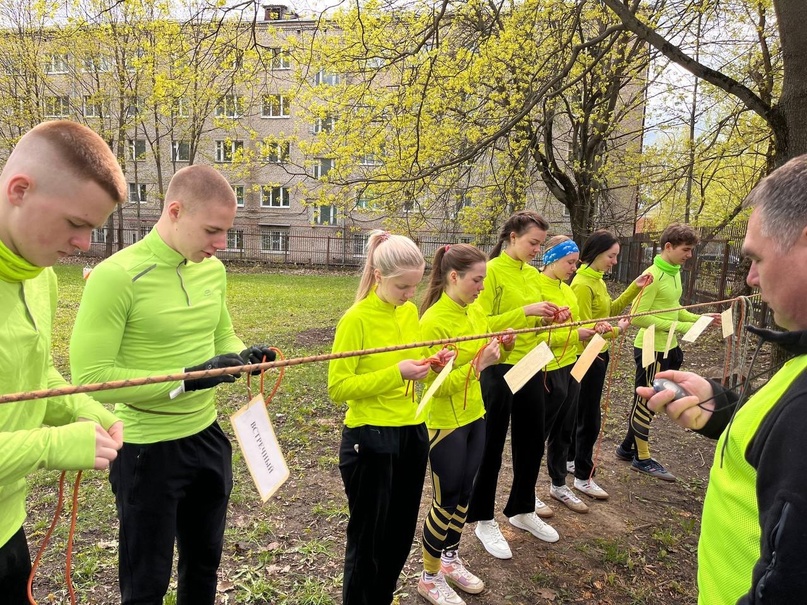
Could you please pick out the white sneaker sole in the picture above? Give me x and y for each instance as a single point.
(503, 555)
(551, 538)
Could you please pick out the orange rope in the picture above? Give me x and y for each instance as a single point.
(46, 539)
(606, 399)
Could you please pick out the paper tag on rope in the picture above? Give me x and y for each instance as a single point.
(670, 336)
(594, 348)
(441, 377)
(697, 328)
(258, 443)
(649, 346)
(727, 323)
(520, 374)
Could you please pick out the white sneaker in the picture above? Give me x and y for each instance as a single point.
(590, 488)
(564, 494)
(437, 591)
(492, 539)
(542, 509)
(532, 523)
(570, 467)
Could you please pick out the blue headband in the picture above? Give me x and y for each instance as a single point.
(560, 250)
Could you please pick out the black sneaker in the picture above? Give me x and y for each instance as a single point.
(653, 468)
(623, 454)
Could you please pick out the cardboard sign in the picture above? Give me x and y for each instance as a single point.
(594, 348)
(670, 336)
(697, 328)
(441, 377)
(529, 366)
(258, 443)
(649, 346)
(727, 322)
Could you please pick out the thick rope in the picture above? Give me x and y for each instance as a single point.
(132, 382)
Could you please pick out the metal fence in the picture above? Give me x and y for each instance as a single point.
(714, 273)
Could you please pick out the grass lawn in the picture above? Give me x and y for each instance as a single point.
(639, 547)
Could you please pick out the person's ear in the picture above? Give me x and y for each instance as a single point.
(16, 188)
(174, 209)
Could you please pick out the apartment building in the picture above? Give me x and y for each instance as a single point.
(168, 93)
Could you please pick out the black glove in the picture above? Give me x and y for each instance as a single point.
(219, 361)
(256, 354)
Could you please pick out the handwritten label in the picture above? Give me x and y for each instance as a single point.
(670, 336)
(441, 377)
(727, 323)
(649, 346)
(258, 443)
(529, 366)
(697, 328)
(594, 348)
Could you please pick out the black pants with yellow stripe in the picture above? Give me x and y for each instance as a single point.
(638, 436)
(454, 458)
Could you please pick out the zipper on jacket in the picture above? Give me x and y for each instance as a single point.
(182, 282)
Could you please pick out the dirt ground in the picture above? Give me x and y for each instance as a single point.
(638, 547)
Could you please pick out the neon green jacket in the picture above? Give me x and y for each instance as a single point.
(664, 293)
(595, 303)
(372, 385)
(146, 311)
(510, 285)
(28, 308)
(564, 342)
(450, 406)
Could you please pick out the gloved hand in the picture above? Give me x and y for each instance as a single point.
(219, 361)
(256, 354)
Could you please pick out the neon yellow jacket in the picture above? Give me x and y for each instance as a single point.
(372, 385)
(564, 342)
(450, 407)
(664, 293)
(510, 285)
(595, 303)
(146, 311)
(29, 307)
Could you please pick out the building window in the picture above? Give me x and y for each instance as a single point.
(180, 151)
(326, 78)
(180, 108)
(144, 230)
(92, 108)
(235, 240)
(322, 167)
(276, 152)
(276, 106)
(365, 200)
(274, 197)
(226, 151)
(274, 239)
(325, 124)
(239, 195)
(57, 107)
(137, 193)
(56, 64)
(137, 149)
(134, 106)
(230, 106)
(280, 59)
(369, 159)
(360, 243)
(97, 64)
(98, 235)
(325, 215)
